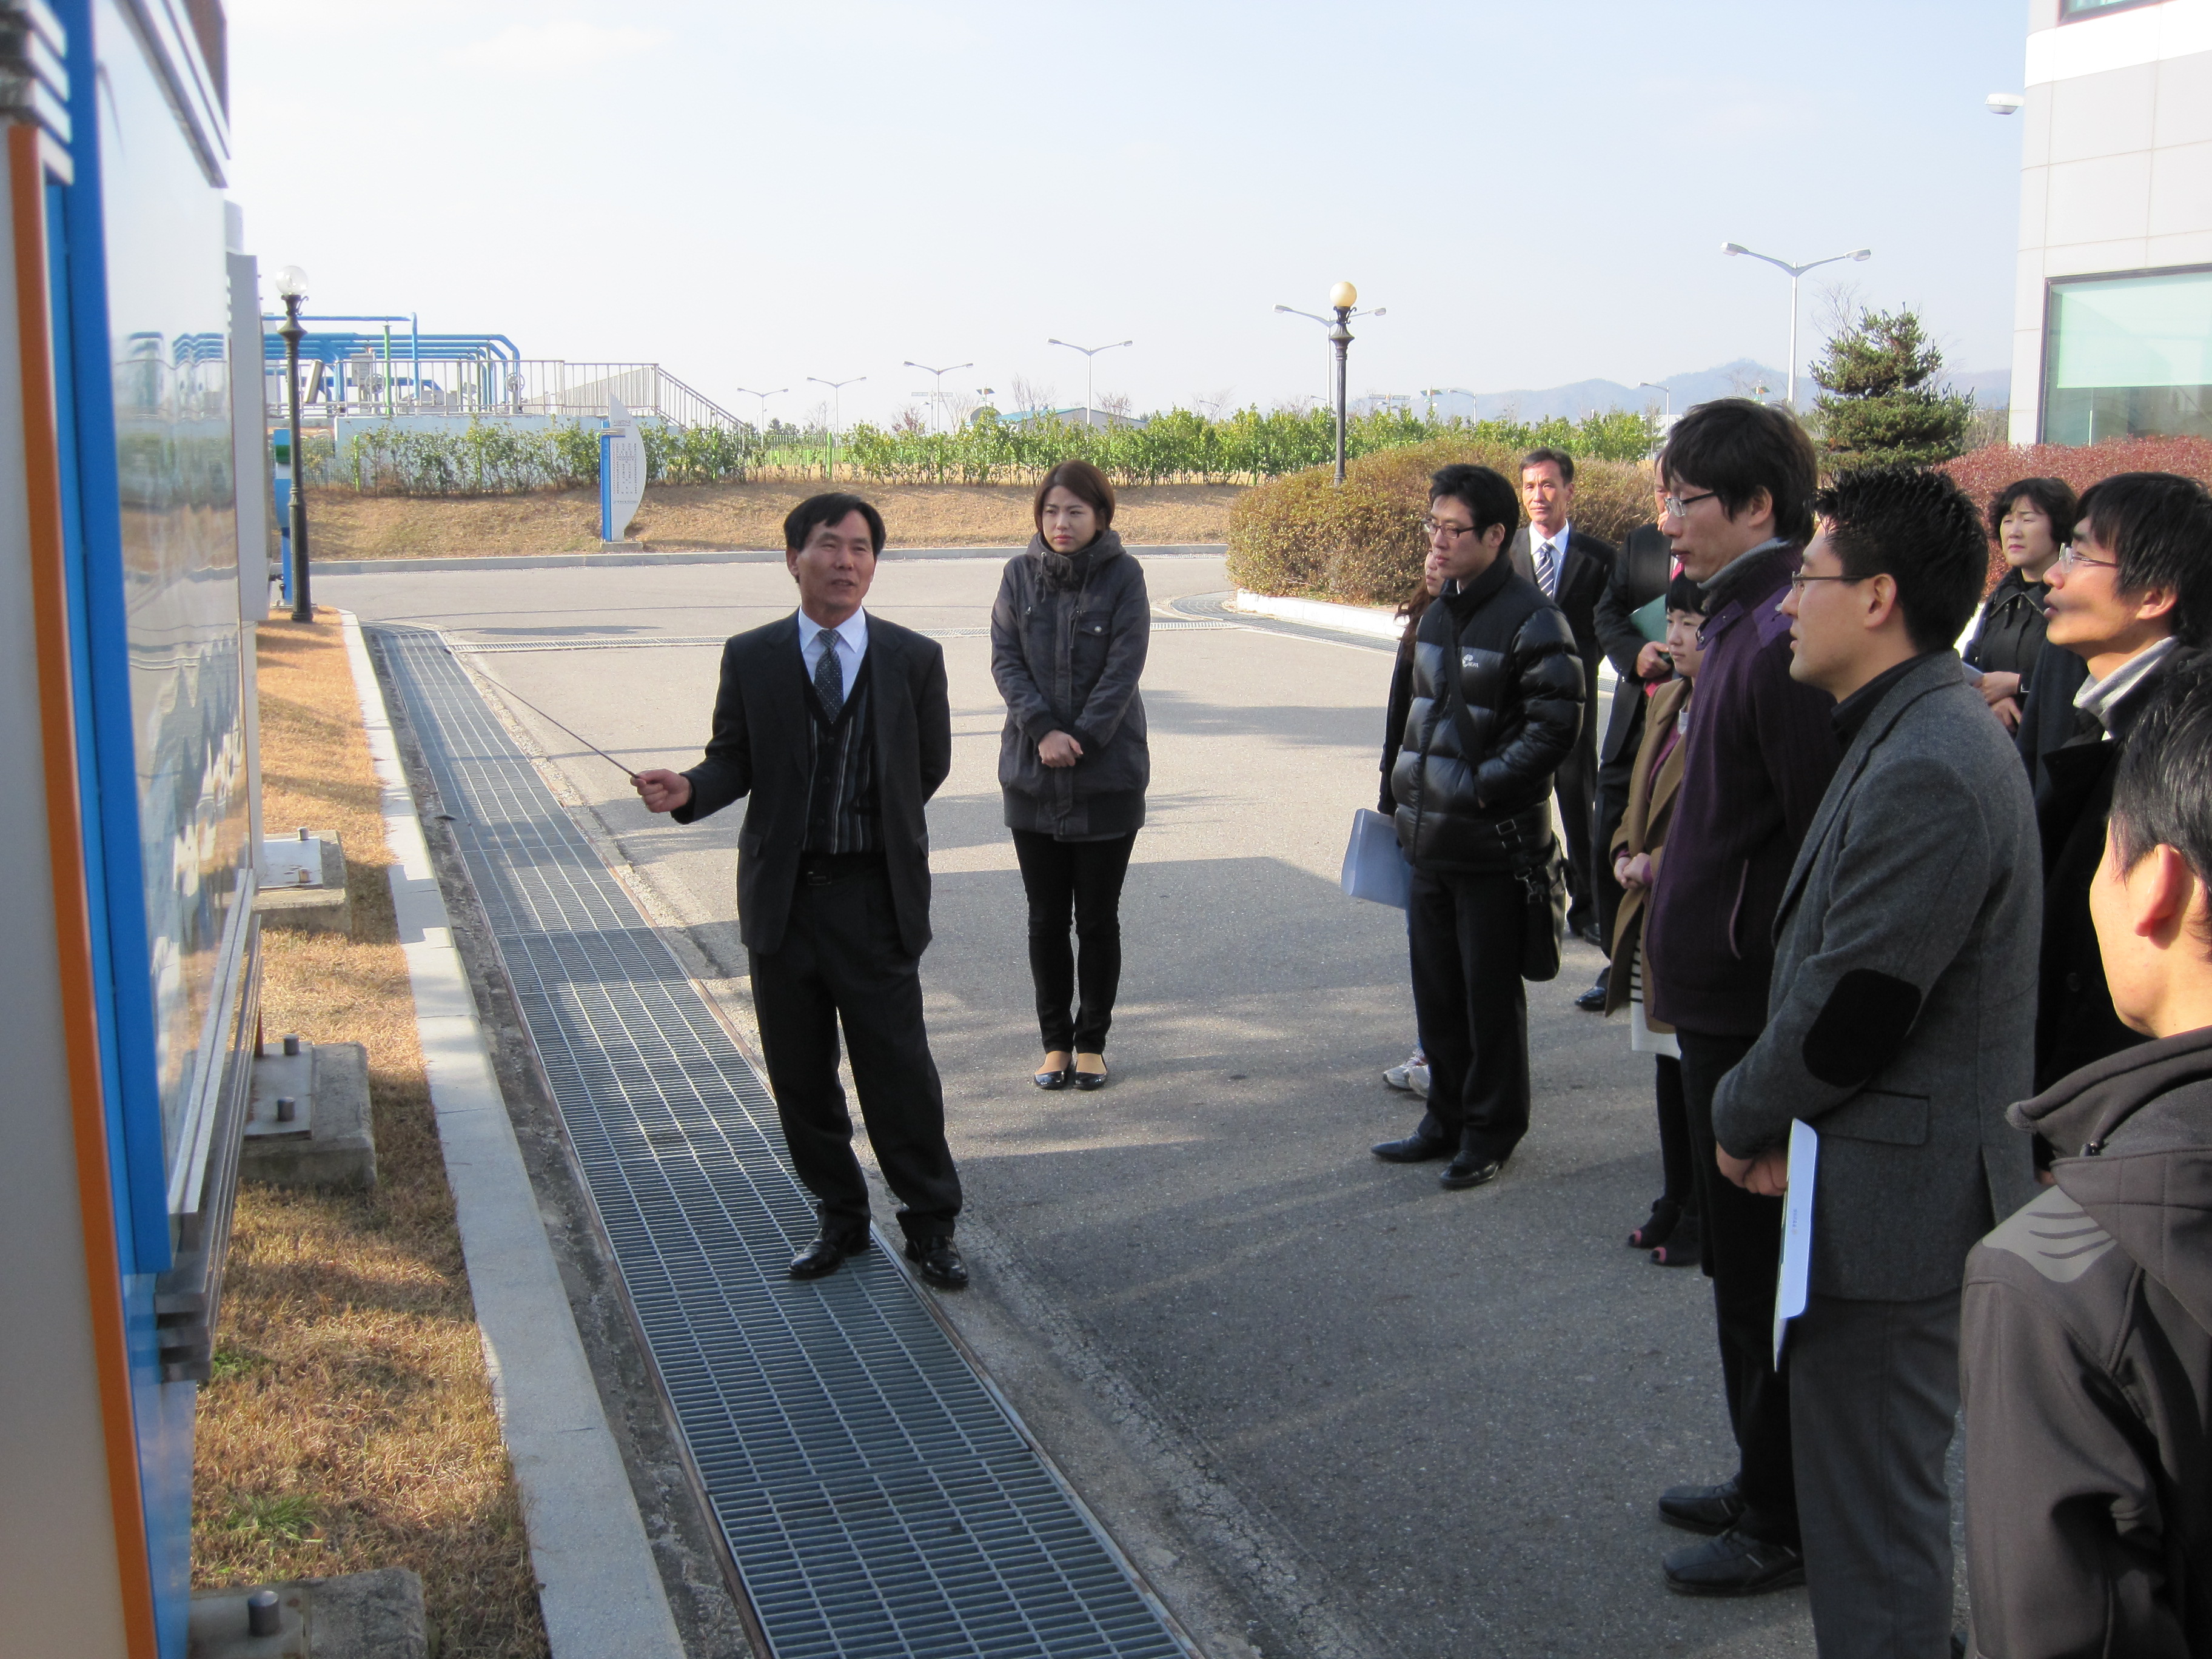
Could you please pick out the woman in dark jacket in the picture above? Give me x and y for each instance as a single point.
(1068, 637)
(2032, 519)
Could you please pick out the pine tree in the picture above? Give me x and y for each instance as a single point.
(1880, 405)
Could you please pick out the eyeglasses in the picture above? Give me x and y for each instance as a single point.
(2071, 557)
(1797, 582)
(1678, 506)
(1439, 527)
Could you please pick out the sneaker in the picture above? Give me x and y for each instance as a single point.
(1400, 1075)
(1417, 1079)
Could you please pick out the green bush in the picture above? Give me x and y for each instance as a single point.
(1362, 545)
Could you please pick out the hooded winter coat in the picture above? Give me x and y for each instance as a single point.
(2086, 1360)
(1068, 637)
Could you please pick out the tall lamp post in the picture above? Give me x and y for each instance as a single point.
(837, 410)
(1342, 299)
(1667, 407)
(764, 396)
(1796, 273)
(1090, 353)
(936, 398)
(292, 288)
(1433, 393)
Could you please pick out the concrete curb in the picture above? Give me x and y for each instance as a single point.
(589, 561)
(1375, 623)
(598, 1585)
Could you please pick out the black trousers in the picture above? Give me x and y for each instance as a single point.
(1677, 1163)
(1576, 786)
(1085, 876)
(1612, 808)
(842, 960)
(1464, 934)
(1743, 1258)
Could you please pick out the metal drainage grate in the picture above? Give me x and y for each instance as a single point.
(877, 1496)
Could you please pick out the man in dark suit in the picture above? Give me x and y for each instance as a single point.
(836, 726)
(1570, 568)
(1641, 571)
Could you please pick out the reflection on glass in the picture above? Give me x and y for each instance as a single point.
(2129, 356)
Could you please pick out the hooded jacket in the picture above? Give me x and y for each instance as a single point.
(2086, 1360)
(1068, 637)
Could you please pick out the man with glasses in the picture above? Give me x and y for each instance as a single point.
(2135, 586)
(1761, 749)
(1496, 701)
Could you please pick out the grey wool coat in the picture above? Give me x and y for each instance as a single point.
(1901, 1021)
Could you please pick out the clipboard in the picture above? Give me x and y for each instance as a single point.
(1794, 1283)
(1650, 620)
(1375, 867)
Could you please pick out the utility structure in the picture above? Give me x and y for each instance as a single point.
(1089, 354)
(292, 288)
(936, 397)
(1796, 272)
(836, 410)
(1342, 299)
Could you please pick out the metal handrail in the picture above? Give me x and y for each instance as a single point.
(476, 389)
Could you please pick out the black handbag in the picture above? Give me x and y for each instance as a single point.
(1543, 880)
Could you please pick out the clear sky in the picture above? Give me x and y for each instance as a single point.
(750, 194)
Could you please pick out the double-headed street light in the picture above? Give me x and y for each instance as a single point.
(764, 396)
(1342, 299)
(292, 288)
(836, 409)
(936, 398)
(1090, 353)
(1796, 272)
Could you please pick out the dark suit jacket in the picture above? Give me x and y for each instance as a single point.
(759, 750)
(1641, 572)
(1584, 573)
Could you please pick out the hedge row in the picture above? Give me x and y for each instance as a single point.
(1982, 472)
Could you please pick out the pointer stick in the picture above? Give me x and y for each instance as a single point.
(509, 690)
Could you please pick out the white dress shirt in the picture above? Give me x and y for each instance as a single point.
(1558, 538)
(852, 635)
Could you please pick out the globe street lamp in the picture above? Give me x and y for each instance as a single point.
(936, 398)
(292, 288)
(1342, 299)
(836, 409)
(1796, 272)
(1088, 353)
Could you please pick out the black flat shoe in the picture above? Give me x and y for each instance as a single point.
(1735, 1564)
(1469, 1169)
(938, 1261)
(826, 1255)
(1051, 1079)
(1702, 1509)
(1414, 1149)
(1089, 1080)
(1658, 1227)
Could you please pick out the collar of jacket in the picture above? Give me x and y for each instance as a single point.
(2015, 587)
(1069, 569)
(1464, 602)
(1742, 586)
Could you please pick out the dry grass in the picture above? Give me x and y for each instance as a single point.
(343, 524)
(350, 1423)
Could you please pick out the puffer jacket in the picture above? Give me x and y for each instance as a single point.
(2086, 1362)
(1068, 638)
(1489, 811)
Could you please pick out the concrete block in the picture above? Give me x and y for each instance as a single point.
(363, 1616)
(328, 1140)
(324, 906)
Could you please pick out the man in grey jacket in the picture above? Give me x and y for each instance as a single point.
(1900, 1025)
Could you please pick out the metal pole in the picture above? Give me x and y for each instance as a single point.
(1341, 336)
(1794, 276)
(303, 608)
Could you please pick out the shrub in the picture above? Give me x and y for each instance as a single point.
(1982, 472)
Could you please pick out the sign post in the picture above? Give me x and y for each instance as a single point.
(621, 472)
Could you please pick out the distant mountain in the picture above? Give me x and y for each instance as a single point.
(1992, 389)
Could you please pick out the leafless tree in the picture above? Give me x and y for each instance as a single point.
(911, 419)
(1214, 404)
(1117, 404)
(1029, 394)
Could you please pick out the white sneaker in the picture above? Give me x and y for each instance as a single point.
(1400, 1075)
(1417, 1079)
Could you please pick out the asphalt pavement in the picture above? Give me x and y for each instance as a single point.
(1330, 1408)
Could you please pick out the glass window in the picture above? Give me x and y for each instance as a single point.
(2129, 356)
(2068, 10)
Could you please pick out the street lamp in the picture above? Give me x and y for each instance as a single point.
(1433, 393)
(936, 398)
(836, 409)
(292, 288)
(1089, 353)
(1666, 407)
(764, 396)
(1796, 271)
(1342, 299)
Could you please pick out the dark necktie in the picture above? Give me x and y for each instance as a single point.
(1548, 570)
(828, 674)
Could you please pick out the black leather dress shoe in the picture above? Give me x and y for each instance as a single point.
(1469, 1169)
(826, 1255)
(938, 1261)
(1414, 1149)
(1592, 1001)
(1702, 1509)
(1735, 1564)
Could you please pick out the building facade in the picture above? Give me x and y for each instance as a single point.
(2113, 320)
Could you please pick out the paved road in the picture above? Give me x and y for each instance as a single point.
(1331, 1408)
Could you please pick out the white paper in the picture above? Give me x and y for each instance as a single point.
(1375, 867)
(1791, 1288)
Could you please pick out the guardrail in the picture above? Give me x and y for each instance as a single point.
(368, 386)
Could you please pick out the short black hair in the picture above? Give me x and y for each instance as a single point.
(2162, 787)
(1917, 526)
(2052, 498)
(1488, 497)
(2159, 527)
(1736, 448)
(831, 508)
(1559, 458)
(1685, 593)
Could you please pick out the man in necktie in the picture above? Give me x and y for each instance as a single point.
(1570, 568)
(836, 727)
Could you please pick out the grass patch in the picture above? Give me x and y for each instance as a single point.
(349, 1423)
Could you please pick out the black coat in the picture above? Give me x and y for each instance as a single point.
(1584, 570)
(759, 750)
(1641, 571)
(2049, 720)
(1489, 809)
(2008, 632)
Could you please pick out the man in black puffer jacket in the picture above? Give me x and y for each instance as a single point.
(1472, 783)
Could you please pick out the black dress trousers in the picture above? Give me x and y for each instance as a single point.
(842, 960)
(1464, 933)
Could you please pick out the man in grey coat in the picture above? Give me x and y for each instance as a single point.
(1900, 1026)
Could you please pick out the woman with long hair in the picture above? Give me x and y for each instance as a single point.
(1068, 636)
